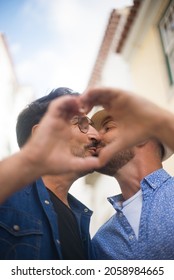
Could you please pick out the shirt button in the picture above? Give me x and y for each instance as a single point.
(47, 202)
(58, 242)
(131, 237)
(16, 227)
(86, 210)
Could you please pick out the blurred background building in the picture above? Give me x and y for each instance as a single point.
(136, 53)
(13, 99)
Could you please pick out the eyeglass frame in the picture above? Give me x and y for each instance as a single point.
(78, 120)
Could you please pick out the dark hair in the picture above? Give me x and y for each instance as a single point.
(33, 113)
(162, 150)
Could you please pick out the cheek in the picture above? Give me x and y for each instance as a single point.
(78, 139)
(79, 143)
(110, 136)
(75, 133)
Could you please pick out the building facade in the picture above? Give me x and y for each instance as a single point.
(13, 99)
(137, 53)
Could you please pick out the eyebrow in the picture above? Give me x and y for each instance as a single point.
(106, 120)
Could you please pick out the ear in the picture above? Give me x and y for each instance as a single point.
(34, 128)
(142, 143)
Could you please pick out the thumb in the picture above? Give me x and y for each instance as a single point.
(106, 154)
(85, 164)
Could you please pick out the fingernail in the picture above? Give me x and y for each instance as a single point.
(82, 110)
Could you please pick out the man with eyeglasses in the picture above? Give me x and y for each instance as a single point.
(43, 221)
(46, 151)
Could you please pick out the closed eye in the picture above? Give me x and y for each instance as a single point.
(108, 126)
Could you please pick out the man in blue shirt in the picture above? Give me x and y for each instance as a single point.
(43, 221)
(143, 225)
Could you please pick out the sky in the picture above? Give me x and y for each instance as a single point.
(55, 42)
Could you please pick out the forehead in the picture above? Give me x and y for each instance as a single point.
(106, 120)
(79, 119)
(103, 122)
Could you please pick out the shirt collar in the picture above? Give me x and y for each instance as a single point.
(75, 204)
(153, 180)
(116, 201)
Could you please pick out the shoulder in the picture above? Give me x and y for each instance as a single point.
(20, 196)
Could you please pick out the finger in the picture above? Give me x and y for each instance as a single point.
(96, 96)
(106, 154)
(85, 106)
(66, 107)
(87, 164)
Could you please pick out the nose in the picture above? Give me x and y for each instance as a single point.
(93, 134)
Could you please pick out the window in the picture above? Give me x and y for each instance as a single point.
(166, 27)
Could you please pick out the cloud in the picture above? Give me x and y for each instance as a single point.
(15, 48)
(35, 10)
(63, 42)
(48, 69)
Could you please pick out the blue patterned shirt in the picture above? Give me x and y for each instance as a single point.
(116, 239)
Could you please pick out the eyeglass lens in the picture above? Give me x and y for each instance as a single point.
(83, 123)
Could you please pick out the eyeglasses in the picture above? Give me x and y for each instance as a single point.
(83, 123)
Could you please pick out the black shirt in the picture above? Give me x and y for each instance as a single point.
(70, 240)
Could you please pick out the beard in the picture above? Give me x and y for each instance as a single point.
(83, 151)
(118, 161)
(78, 152)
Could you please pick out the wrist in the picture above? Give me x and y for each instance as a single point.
(30, 159)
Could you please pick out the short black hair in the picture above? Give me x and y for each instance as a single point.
(33, 113)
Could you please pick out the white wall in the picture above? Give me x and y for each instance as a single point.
(13, 99)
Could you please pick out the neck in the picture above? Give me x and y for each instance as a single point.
(130, 175)
(60, 185)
